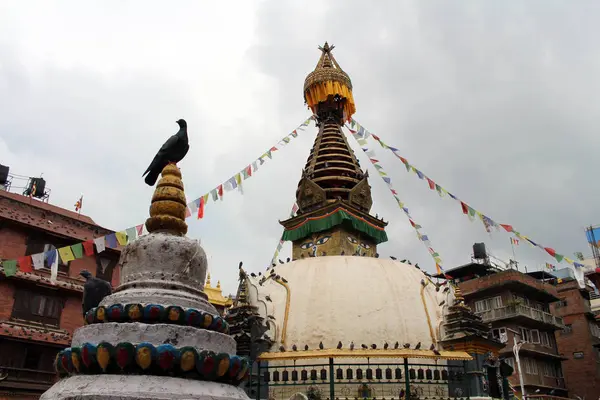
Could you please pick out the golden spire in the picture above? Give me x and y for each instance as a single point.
(168, 206)
(328, 81)
(208, 279)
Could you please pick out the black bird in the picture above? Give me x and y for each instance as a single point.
(396, 345)
(305, 347)
(281, 348)
(385, 346)
(280, 262)
(342, 253)
(442, 303)
(284, 280)
(364, 346)
(321, 345)
(407, 345)
(173, 151)
(241, 263)
(376, 255)
(373, 346)
(94, 290)
(294, 348)
(417, 266)
(436, 352)
(393, 258)
(446, 289)
(268, 298)
(403, 261)
(418, 346)
(339, 346)
(252, 274)
(287, 259)
(351, 345)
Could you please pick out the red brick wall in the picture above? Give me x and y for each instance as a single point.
(12, 242)
(582, 376)
(474, 285)
(72, 315)
(6, 299)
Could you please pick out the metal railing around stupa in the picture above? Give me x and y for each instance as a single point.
(337, 380)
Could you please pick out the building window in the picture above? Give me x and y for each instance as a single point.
(562, 303)
(525, 336)
(534, 335)
(500, 335)
(567, 329)
(594, 329)
(488, 304)
(545, 339)
(531, 366)
(37, 243)
(37, 307)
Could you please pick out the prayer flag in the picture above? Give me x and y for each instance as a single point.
(201, 208)
(514, 241)
(100, 244)
(88, 247)
(79, 204)
(38, 260)
(140, 229)
(111, 241)
(431, 184)
(77, 250)
(121, 238)
(131, 234)
(507, 228)
(10, 267)
(25, 264)
(66, 254)
(465, 209)
(54, 266)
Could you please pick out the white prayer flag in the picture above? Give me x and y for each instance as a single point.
(100, 245)
(38, 260)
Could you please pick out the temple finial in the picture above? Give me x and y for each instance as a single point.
(168, 206)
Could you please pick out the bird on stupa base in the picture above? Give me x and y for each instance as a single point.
(418, 346)
(171, 152)
(396, 345)
(339, 345)
(94, 290)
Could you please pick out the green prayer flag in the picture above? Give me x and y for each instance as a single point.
(378, 166)
(77, 250)
(10, 267)
(559, 257)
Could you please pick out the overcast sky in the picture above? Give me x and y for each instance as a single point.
(496, 101)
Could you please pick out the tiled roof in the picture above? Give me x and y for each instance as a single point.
(58, 221)
(34, 333)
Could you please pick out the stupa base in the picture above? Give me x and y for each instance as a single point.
(128, 387)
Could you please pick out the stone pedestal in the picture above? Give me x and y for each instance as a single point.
(156, 336)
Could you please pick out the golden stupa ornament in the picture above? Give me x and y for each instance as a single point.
(168, 207)
(329, 82)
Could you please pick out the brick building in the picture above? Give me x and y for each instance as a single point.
(37, 318)
(579, 341)
(516, 304)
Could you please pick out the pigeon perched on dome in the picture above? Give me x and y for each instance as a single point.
(172, 151)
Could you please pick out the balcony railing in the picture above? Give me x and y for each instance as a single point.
(27, 376)
(520, 311)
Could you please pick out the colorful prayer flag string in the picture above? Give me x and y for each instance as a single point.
(388, 181)
(121, 238)
(465, 207)
(281, 241)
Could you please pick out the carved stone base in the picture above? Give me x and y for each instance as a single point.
(129, 387)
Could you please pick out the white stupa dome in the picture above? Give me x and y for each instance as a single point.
(343, 298)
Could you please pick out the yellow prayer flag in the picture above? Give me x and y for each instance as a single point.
(121, 238)
(238, 179)
(567, 259)
(66, 254)
(205, 197)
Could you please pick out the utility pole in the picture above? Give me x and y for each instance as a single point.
(516, 348)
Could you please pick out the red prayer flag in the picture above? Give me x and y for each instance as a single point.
(140, 229)
(550, 251)
(188, 212)
(249, 170)
(220, 190)
(376, 137)
(431, 184)
(88, 247)
(412, 223)
(25, 264)
(465, 209)
(201, 208)
(507, 228)
(273, 148)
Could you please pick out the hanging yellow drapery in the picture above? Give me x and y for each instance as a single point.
(320, 91)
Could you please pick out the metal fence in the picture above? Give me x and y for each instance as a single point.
(341, 381)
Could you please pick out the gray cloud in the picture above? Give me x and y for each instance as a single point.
(495, 101)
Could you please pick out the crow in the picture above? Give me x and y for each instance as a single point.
(172, 151)
(385, 346)
(94, 290)
(305, 347)
(241, 263)
(294, 348)
(418, 346)
(321, 347)
(339, 346)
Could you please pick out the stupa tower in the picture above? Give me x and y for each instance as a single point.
(157, 336)
(333, 195)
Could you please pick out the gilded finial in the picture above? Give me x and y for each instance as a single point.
(208, 279)
(218, 284)
(168, 206)
(459, 299)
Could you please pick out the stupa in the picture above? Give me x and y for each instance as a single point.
(156, 336)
